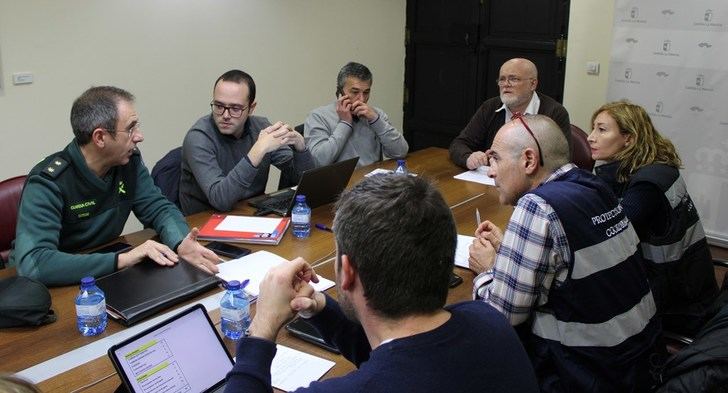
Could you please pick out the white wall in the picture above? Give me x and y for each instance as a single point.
(590, 39)
(169, 52)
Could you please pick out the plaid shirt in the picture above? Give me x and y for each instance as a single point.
(533, 256)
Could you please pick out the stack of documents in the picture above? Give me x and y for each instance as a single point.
(244, 229)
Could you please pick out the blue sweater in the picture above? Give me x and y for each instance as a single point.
(475, 350)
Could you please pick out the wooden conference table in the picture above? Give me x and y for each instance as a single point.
(21, 348)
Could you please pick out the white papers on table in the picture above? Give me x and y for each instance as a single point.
(382, 171)
(254, 267)
(462, 251)
(479, 175)
(292, 369)
(248, 224)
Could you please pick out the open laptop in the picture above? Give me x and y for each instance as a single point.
(320, 186)
(181, 354)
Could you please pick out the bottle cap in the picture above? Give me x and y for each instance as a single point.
(87, 281)
(300, 198)
(233, 285)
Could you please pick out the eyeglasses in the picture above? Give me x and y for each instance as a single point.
(233, 110)
(510, 80)
(133, 128)
(538, 145)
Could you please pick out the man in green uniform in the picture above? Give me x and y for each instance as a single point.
(81, 197)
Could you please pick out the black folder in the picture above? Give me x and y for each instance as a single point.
(146, 288)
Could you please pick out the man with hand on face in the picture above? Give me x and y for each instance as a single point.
(81, 197)
(350, 127)
(567, 273)
(395, 241)
(517, 82)
(226, 155)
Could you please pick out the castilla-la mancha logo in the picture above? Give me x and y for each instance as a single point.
(666, 45)
(700, 84)
(708, 15)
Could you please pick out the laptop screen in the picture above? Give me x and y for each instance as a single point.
(181, 354)
(320, 185)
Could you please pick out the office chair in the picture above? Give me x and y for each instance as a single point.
(166, 173)
(299, 128)
(10, 191)
(580, 150)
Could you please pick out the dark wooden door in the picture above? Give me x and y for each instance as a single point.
(454, 50)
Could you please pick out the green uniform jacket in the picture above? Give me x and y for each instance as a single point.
(66, 208)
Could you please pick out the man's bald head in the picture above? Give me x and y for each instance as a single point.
(553, 144)
(525, 66)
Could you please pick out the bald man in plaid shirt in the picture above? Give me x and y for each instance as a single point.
(567, 272)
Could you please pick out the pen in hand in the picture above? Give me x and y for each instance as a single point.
(324, 228)
(477, 218)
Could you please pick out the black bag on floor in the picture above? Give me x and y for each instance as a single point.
(24, 302)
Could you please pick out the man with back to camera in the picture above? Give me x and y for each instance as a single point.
(226, 154)
(567, 272)
(395, 243)
(81, 197)
(350, 127)
(517, 82)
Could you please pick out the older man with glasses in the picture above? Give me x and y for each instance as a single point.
(517, 84)
(226, 154)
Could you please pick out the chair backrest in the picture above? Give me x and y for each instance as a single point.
(580, 150)
(166, 174)
(299, 128)
(10, 191)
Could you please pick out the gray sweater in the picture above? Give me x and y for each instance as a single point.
(216, 172)
(331, 140)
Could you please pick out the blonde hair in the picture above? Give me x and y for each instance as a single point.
(647, 146)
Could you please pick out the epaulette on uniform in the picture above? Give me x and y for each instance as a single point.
(54, 167)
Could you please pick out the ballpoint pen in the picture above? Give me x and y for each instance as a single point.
(324, 228)
(477, 217)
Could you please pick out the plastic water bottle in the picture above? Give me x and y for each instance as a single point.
(301, 217)
(234, 311)
(401, 168)
(90, 308)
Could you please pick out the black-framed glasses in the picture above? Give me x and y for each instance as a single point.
(538, 145)
(509, 80)
(233, 110)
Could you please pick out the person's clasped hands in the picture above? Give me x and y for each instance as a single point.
(482, 251)
(285, 291)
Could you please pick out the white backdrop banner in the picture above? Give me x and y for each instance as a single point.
(671, 57)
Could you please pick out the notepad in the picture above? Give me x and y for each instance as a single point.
(254, 266)
(244, 229)
(462, 252)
